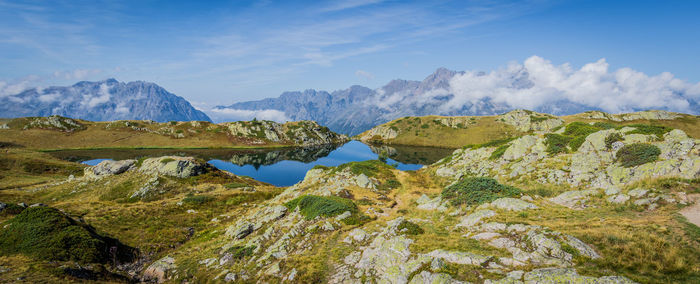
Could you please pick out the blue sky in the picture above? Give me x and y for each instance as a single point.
(220, 52)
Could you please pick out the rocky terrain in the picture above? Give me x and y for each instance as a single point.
(458, 131)
(565, 201)
(56, 132)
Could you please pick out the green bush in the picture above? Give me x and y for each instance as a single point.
(637, 154)
(647, 129)
(612, 138)
(197, 199)
(411, 228)
(312, 206)
(12, 209)
(499, 152)
(605, 125)
(477, 190)
(576, 142)
(580, 129)
(167, 160)
(424, 126)
(239, 252)
(556, 143)
(492, 143)
(47, 234)
(369, 168)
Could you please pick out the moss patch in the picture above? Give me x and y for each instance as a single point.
(637, 154)
(312, 206)
(477, 190)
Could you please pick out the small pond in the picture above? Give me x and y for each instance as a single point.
(280, 167)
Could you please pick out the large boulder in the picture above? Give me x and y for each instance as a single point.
(108, 168)
(174, 166)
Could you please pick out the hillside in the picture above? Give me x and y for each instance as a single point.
(580, 203)
(57, 132)
(101, 101)
(459, 131)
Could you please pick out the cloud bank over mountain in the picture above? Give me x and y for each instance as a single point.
(534, 84)
(593, 85)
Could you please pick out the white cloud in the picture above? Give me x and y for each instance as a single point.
(47, 98)
(364, 74)
(538, 82)
(102, 96)
(227, 114)
(17, 86)
(348, 4)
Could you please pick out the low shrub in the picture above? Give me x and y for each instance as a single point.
(492, 143)
(477, 190)
(556, 143)
(647, 129)
(47, 234)
(499, 152)
(612, 138)
(580, 129)
(312, 206)
(410, 228)
(197, 199)
(605, 125)
(637, 154)
(11, 209)
(576, 142)
(239, 252)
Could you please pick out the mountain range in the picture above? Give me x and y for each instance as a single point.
(446, 92)
(102, 101)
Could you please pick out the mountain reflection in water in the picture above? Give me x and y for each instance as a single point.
(280, 166)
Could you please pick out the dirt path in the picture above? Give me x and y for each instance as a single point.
(692, 213)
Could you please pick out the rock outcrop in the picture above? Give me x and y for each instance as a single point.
(174, 166)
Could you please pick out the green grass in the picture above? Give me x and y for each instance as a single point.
(167, 160)
(478, 190)
(312, 206)
(234, 185)
(411, 228)
(637, 154)
(371, 168)
(46, 233)
(492, 143)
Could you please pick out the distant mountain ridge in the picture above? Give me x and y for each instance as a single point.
(357, 108)
(102, 101)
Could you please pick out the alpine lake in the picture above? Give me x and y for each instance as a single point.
(278, 166)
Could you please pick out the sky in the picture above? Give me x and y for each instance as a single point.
(221, 52)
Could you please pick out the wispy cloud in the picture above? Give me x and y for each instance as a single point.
(348, 4)
(364, 74)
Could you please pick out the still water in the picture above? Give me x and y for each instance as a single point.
(280, 167)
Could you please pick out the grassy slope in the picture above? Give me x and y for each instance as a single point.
(98, 135)
(155, 225)
(483, 129)
(479, 130)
